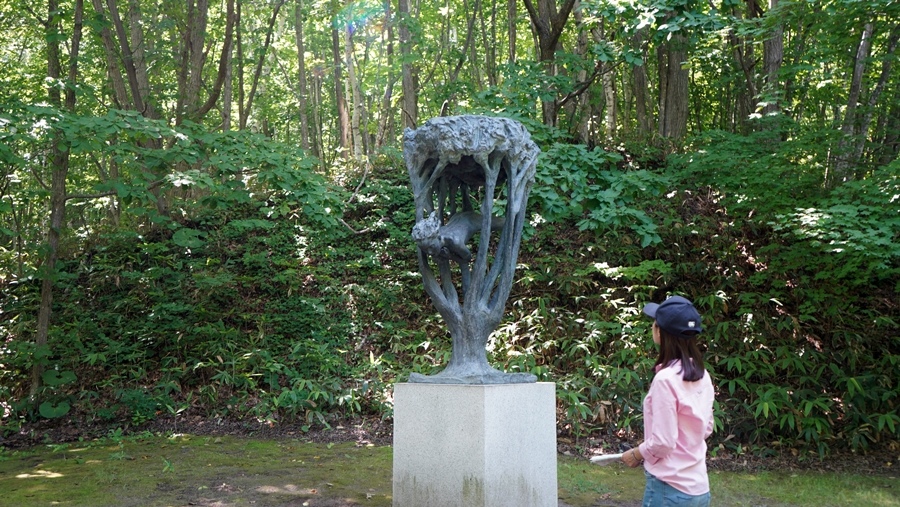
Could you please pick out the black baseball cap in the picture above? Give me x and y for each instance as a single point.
(676, 316)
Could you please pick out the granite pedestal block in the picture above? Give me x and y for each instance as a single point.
(475, 445)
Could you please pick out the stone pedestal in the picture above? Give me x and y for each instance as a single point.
(475, 445)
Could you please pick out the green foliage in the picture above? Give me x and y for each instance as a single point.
(252, 300)
(808, 354)
(573, 183)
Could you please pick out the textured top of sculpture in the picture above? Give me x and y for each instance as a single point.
(459, 166)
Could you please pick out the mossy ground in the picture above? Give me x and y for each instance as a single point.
(231, 471)
(187, 470)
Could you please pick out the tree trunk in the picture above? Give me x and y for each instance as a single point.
(583, 117)
(454, 74)
(841, 166)
(890, 143)
(60, 161)
(318, 141)
(385, 123)
(126, 55)
(245, 113)
(193, 57)
(114, 71)
(743, 55)
(227, 88)
(548, 26)
(353, 96)
(410, 98)
(886, 65)
(301, 76)
(239, 41)
(197, 22)
(139, 81)
(224, 71)
(610, 95)
(773, 54)
(135, 22)
(476, 70)
(489, 42)
(673, 107)
(511, 29)
(339, 97)
(641, 90)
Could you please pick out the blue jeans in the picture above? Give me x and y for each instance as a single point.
(659, 494)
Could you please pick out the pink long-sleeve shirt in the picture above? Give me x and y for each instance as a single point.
(678, 416)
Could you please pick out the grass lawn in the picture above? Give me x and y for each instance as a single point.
(230, 471)
(582, 485)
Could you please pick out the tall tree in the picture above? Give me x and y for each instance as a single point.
(548, 22)
(59, 158)
(743, 52)
(251, 95)
(673, 87)
(773, 55)
(855, 126)
(340, 98)
(132, 51)
(641, 87)
(410, 109)
(840, 168)
(353, 95)
(511, 18)
(386, 121)
(301, 76)
(197, 110)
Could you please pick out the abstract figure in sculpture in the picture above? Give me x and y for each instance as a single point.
(454, 162)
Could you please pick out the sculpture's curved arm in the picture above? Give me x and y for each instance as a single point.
(447, 306)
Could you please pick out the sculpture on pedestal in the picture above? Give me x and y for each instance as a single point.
(470, 176)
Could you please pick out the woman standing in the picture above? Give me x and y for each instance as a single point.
(678, 411)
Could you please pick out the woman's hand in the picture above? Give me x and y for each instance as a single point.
(632, 457)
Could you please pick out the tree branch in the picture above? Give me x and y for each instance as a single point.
(109, 193)
(223, 61)
(581, 87)
(535, 17)
(559, 22)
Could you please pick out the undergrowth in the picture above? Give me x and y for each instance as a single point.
(281, 319)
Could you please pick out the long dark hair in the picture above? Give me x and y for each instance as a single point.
(683, 348)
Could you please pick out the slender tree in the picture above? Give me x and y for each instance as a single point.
(840, 167)
(386, 118)
(251, 95)
(353, 95)
(410, 109)
(511, 18)
(641, 88)
(340, 98)
(303, 91)
(59, 158)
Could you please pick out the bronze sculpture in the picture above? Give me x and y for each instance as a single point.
(454, 163)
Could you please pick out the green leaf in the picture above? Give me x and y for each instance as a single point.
(189, 238)
(51, 411)
(57, 378)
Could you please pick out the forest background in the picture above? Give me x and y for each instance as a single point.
(204, 208)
